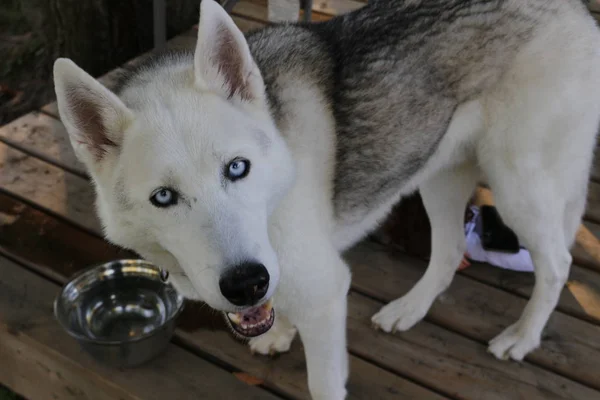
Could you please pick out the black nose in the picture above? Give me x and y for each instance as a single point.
(245, 284)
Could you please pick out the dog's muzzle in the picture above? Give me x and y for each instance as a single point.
(254, 321)
(246, 285)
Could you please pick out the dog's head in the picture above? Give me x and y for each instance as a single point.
(187, 164)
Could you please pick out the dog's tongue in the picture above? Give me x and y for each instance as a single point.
(253, 315)
(254, 321)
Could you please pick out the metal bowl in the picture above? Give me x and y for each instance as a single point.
(121, 312)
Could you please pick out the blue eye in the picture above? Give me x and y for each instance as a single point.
(164, 197)
(237, 169)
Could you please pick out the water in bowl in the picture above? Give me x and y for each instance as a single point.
(123, 309)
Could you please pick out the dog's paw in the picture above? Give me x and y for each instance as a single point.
(276, 340)
(400, 315)
(513, 343)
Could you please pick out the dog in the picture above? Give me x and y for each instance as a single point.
(246, 166)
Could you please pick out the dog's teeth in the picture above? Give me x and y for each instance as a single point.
(234, 318)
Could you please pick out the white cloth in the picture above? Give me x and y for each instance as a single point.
(520, 261)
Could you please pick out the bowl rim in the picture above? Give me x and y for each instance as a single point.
(123, 261)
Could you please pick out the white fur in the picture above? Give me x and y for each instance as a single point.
(282, 214)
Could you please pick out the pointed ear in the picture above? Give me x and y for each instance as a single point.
(94, 116)
(222, 61)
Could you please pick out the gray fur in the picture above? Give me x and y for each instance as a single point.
(394, 72)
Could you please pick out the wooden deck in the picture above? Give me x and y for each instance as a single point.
(48, 231)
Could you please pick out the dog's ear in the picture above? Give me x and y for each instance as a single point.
(94, 116)
(222, 60)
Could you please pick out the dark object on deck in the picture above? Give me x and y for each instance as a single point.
(496, 236)
(408, 229)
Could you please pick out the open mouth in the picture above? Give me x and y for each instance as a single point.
(253, 321)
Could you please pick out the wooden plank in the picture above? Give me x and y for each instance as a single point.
(463, 369)
(580, 298)
(427, 354)
(64, 193)
(288, 370)
(50, 244)
(40, 361)
(64, 250)
(44, 137)
(583, 257)
(571, 347)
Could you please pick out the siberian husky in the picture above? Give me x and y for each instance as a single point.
(247, 166)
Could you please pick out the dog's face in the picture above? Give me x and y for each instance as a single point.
(189, 176)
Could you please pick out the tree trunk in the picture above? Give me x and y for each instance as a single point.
(98, 35)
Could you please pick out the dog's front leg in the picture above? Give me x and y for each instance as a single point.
(323, 335)
(312, 293)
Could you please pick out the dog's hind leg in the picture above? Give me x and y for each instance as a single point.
(539, 175)
(445, 197)
(537, 151)
(544, 208)
(277, 340)
(534, 210)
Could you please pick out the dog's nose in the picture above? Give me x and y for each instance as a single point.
(245, 284)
